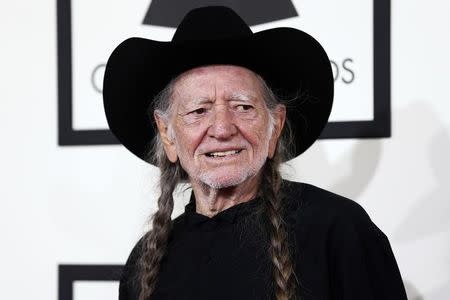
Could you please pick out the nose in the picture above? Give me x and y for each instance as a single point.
(222, 123)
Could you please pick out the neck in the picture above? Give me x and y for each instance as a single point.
(210, 201)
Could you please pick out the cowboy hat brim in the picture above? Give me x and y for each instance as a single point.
(294, 65)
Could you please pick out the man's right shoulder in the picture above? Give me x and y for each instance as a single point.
(129, 279)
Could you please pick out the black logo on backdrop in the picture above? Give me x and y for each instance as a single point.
(162, 12)
(68, 274)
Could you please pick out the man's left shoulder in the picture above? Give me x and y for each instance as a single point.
(319, 203)
(357, 252)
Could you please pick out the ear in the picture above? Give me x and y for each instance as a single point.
(166, 138)
(280, 118)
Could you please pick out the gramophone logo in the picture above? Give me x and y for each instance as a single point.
(162, 12)
(88, 32)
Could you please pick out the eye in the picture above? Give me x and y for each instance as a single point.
(198, 111)
(244, 107)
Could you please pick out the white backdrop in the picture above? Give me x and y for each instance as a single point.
(88, 204)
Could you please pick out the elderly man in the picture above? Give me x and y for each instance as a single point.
(219, 107)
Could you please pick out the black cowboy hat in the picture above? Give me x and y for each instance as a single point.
(294, 65)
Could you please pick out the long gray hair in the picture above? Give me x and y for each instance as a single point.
(156, 239)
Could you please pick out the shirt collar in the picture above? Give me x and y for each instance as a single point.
(227, 216)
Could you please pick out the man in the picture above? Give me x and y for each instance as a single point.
(246, 233)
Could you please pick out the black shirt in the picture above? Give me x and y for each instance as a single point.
(338, 253)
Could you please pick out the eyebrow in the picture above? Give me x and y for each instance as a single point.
(241, 96)
(200, 100)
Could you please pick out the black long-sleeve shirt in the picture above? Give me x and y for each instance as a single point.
(338, 253)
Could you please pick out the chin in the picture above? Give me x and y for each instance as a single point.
(220, 180)
(225, 179)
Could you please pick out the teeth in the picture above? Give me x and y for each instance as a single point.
(221, 154)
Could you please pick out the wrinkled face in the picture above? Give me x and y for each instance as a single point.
(219, 126)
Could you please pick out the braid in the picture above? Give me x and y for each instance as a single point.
(155, 242)
(279, 252)
(283, 271)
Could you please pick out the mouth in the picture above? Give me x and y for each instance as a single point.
(218, 154)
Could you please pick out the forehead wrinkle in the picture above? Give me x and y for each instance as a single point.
(196, 100)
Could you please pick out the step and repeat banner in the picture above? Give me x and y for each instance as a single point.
(355, 34)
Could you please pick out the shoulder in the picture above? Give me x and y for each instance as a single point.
(129, 279)
(331, 218)
(132, 262)
(311, 201)
(358, 254)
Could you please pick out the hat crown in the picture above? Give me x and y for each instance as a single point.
(211, 23)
